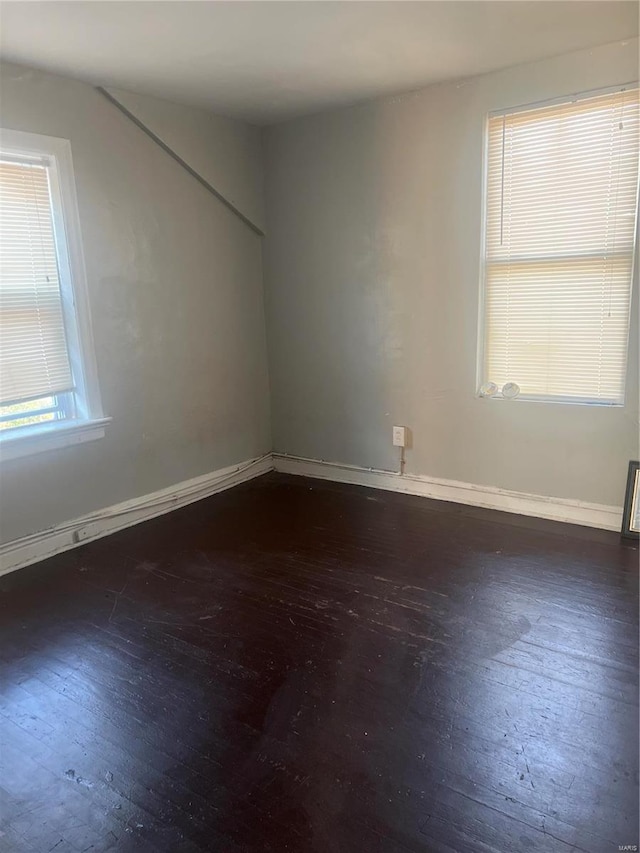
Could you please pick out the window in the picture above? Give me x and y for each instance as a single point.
(560, 223)
(48, 387)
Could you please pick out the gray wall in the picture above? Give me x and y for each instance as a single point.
(175, 285)
(372, 270)
(226, 153)
(372, 288)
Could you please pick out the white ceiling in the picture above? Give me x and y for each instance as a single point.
(268, 61)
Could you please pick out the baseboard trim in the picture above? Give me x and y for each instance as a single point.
(539, 506)
(30, 549)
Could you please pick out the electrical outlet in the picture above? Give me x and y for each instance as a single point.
(399, 436)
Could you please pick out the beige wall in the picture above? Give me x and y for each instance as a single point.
(175, 284)
(372, 267)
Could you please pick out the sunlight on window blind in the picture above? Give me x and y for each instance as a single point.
(562, 188)
(33, 350)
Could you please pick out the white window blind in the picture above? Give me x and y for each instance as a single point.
(562, 189)
(34, 360)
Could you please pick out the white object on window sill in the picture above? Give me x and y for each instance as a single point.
(489, 389)
(26, 441)
(510, 391)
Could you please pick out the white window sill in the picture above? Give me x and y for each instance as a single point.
(26, 441)
(562, 401)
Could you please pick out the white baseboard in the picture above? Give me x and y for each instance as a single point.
(30, 549)
(491, 497)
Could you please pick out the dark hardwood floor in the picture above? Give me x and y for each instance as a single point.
(295, 665)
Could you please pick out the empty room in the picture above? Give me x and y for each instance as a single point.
(319, 426)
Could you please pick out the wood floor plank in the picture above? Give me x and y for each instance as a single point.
(296, 665)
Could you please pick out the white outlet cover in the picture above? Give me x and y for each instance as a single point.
(399, 436)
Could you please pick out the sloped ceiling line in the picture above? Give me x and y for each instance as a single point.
(143, 127)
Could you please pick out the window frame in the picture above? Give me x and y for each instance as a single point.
(481, 379)
(86, 420)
